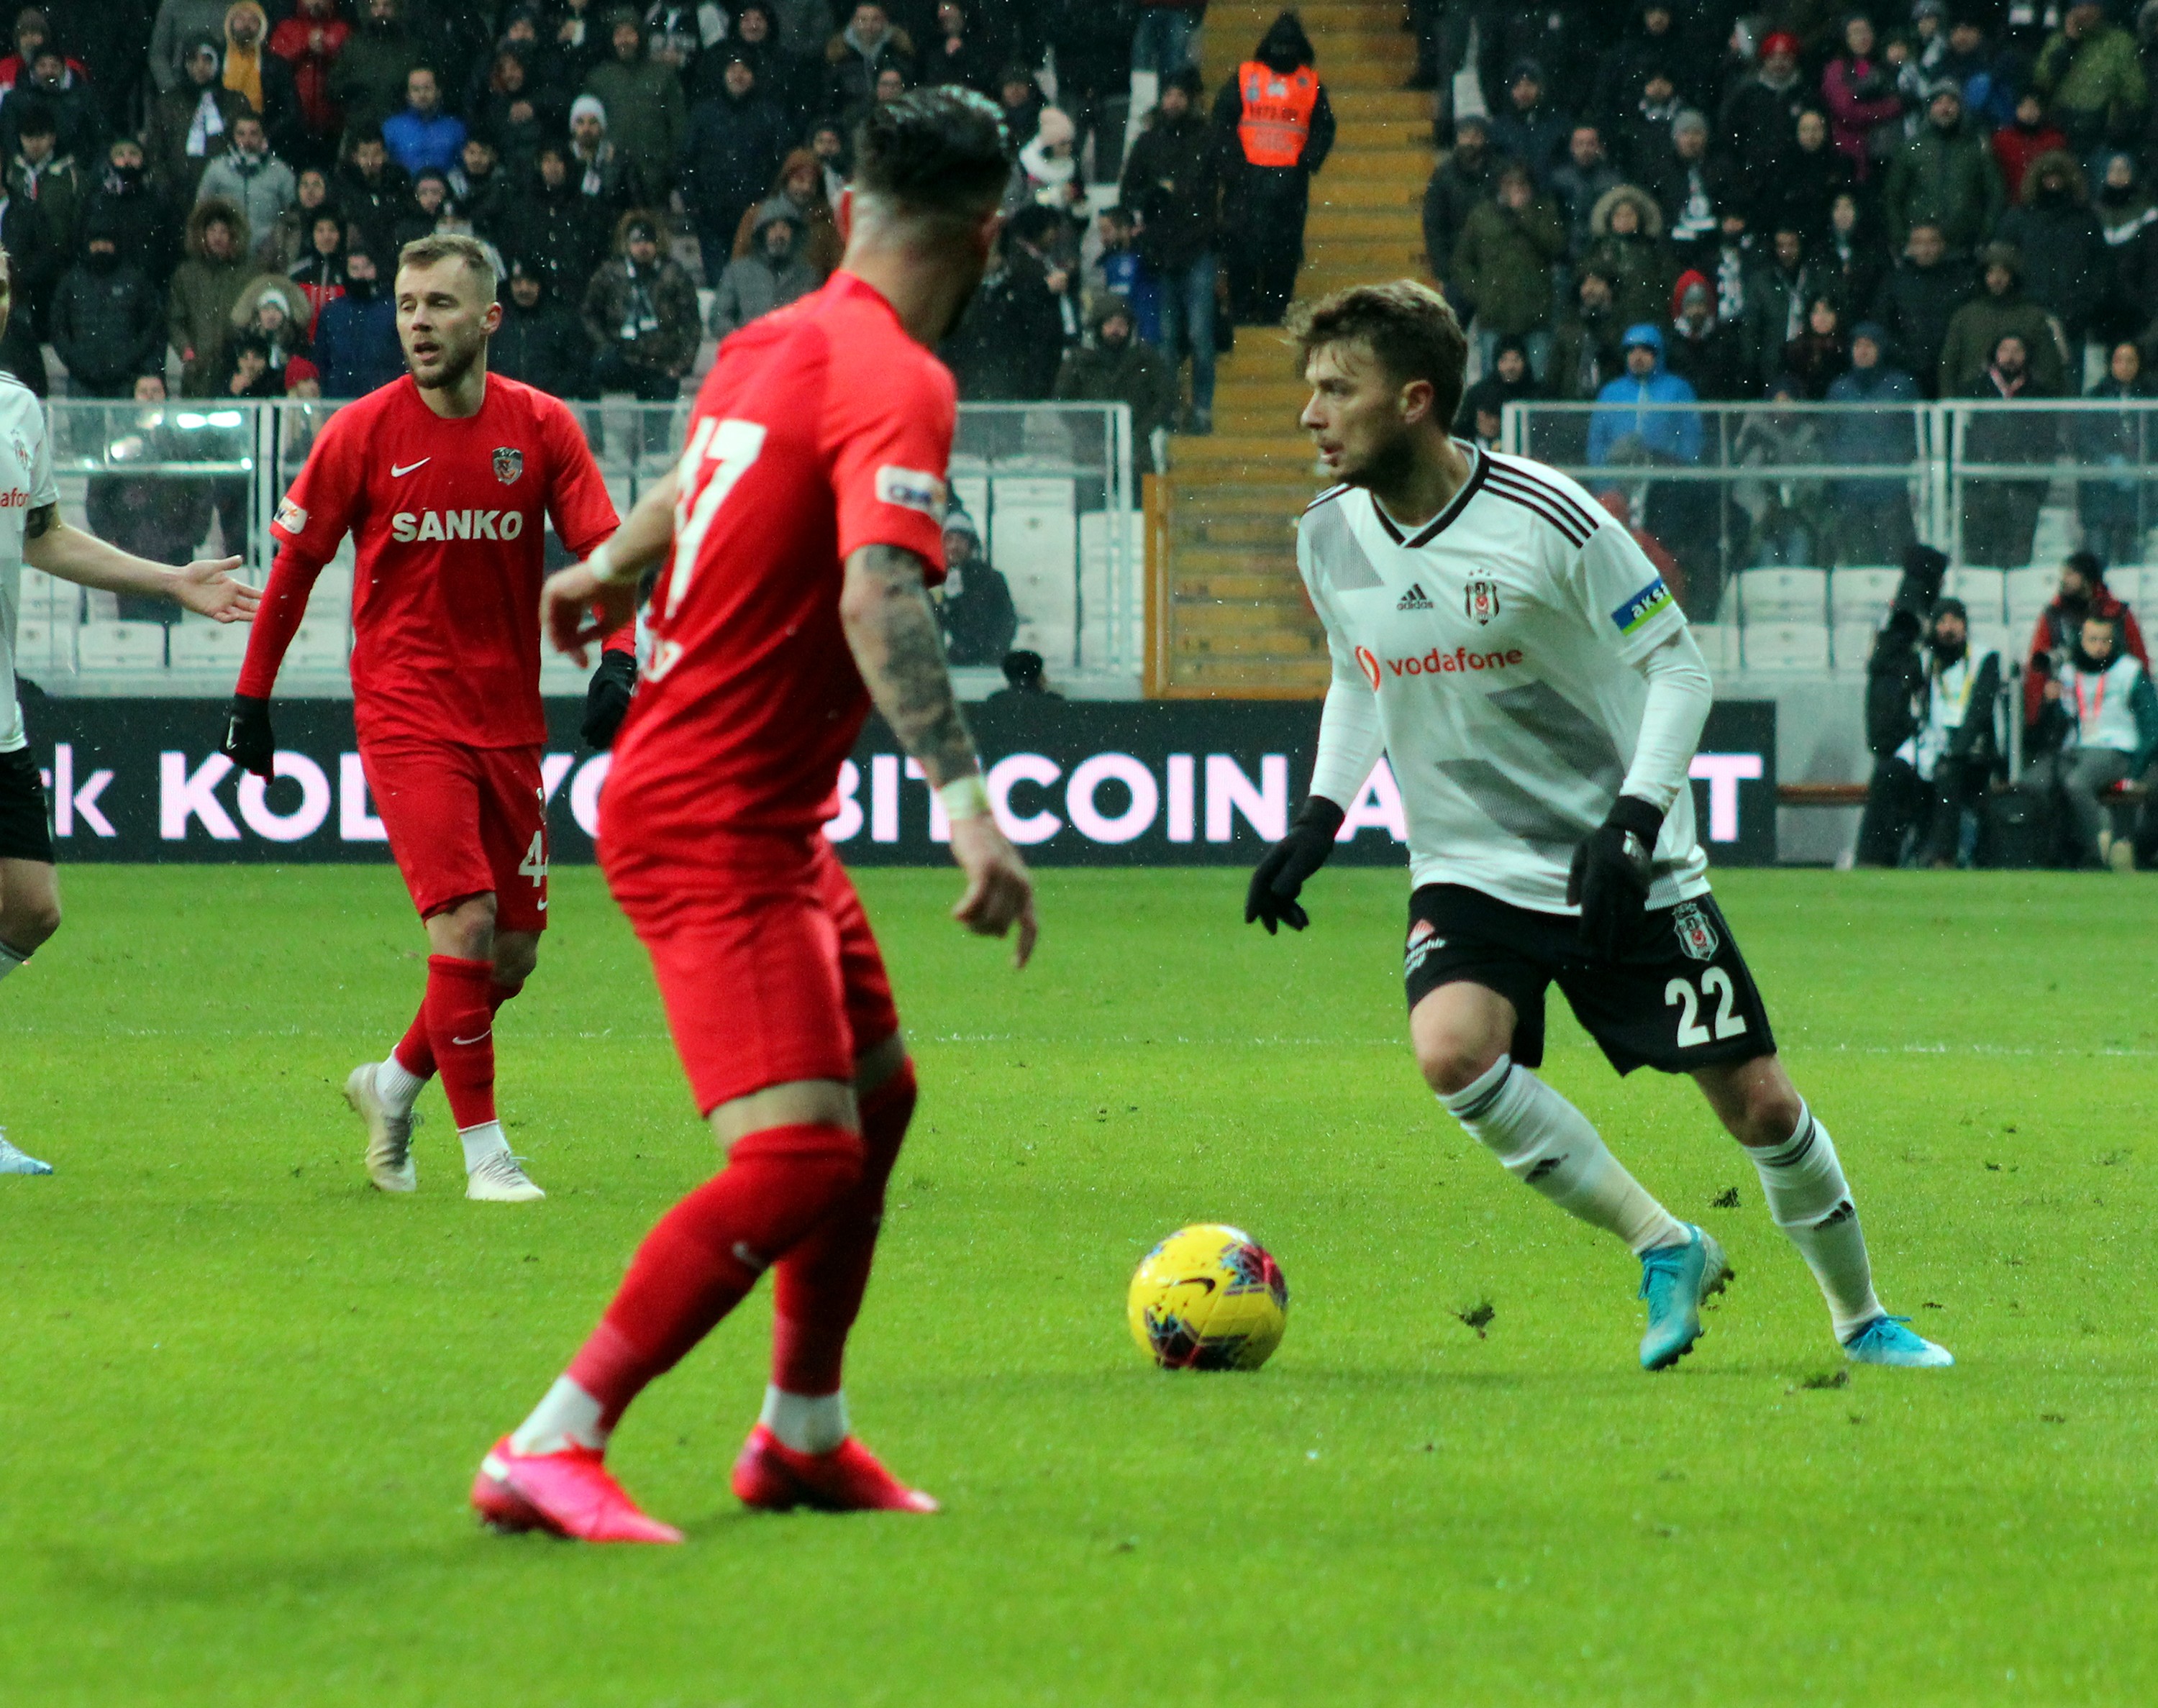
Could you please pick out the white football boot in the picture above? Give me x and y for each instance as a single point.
(389, 1165)
(13, 1162)
(500, 1179)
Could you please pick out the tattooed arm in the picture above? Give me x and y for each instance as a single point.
(884, 607)
(59, 549)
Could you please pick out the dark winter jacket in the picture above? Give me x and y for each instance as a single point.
(646, 117)
(1948, 178)
(1461, 180)
(356, 343)
(1914, 305)
(1135, 374)
(198, 308)
(1502, 264)
(165, 138)
(733, 148)
(2066, 264)
(1172, 182)
(560, 232)
(148, 234)
(647, 316)
(108, 326)
(545, 345)
(754, 284)
(1010, 345)
(1982, 322)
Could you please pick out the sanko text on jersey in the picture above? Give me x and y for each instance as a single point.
(457, 524)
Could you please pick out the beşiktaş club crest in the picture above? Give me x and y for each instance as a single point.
(1423, 938)
(1696, 936)
(1480, 600)
(509, 464)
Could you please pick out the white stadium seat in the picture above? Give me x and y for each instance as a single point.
(1853, 644)
(1719, 645)
(40, 645)
(1995, 637)
(1782, 596)
(121, 646)
(2029, 592)
(209, 646)
(1860, 595)
(1786, 646)
(2126, 584)
(319, 643)
(43, 595)
(1981, 591)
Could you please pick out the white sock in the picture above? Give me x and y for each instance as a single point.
(1545, 1141)
(566, 1417)
(481, 1142)
(396, 1084)
(1810, 1201)
(10, 959)
(806, 1423)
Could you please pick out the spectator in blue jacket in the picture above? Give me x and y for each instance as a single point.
(1876, 425)
(1623, 431)
(423, 134)
(356, 334)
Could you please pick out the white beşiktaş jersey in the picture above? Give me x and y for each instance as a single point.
(26, 484)
(1501, 641)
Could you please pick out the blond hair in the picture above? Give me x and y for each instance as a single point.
(452, 246)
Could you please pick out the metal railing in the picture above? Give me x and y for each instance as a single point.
(1049, 485)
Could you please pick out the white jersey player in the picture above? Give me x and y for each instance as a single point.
(1535, 686)
(31, 528)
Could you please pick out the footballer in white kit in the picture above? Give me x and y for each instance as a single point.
(1534, 686)
(31, 528)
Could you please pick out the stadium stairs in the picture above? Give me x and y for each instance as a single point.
(1228, 615)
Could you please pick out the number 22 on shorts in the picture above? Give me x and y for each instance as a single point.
(1679, 993)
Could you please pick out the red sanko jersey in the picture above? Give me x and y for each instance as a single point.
(822, 428)
(447, 517)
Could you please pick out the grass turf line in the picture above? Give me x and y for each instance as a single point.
(244, 1396)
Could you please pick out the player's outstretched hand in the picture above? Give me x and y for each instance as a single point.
(999, 891)
(1609, 881)
(206, 587)
(576, 608)
(606, 698)
(1271, 902)
(248, 741)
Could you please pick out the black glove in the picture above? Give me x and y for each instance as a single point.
(248, 742)
(1271, 899)
(606, 700)
(1609, 881)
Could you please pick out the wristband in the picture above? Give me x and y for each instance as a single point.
(965, 797)
(603, 567)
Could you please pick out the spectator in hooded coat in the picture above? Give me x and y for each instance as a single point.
(2092, 79)
(1628, 250)
(2066, 264)
(1502, 265)
(1581, 182)
(199, 304)
(1507, 378)
(369, 80)
(560, 231)
(2129, 222)
(248, 175)
(541, 341)
(1760, 121)
(108, 323)
(1529, 126)
(1467, 176)
(2118, 508)
(800, 183)
(1692, 188)
(1704, 350)
(974, 604)
(309, 42)
(1876, 425)
(1118, 368)
(774, 273)
(1802, 195)
(2000, 512)
(1172, 182)
(320, 272)
(1268, 184)
(736, 142)
(149, 235)
(2024, 137)
(1863, 106)
(641, 313)
(645, 110)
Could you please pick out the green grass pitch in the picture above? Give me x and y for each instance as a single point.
(241, 1396)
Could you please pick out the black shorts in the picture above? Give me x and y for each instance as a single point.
(1678, 998)
(26, 823)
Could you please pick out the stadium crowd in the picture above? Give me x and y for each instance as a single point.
(222, 214)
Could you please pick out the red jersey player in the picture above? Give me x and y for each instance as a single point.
(444, 479)
(805, 521)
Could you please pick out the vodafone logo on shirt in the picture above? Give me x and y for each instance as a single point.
(14, 498)
(1436, 663)
(457, 524)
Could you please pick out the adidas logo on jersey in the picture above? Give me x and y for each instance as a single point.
(1416, 599)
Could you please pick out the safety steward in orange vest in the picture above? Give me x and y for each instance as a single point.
(1277, 111)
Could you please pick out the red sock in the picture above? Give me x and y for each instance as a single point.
(416, 1056)
(461, 1028)
(707, 1252)
(817, 1286)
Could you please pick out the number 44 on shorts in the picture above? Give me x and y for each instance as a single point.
(1681, 994)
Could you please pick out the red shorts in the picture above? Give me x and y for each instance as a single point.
(764, 959)
(464, 821)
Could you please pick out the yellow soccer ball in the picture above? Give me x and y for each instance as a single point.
(1208, 1298)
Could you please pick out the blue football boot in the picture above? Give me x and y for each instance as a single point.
(1886, 1340)
(1675, 1280)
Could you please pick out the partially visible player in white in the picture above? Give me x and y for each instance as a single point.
(31, 531)
(1536, 688)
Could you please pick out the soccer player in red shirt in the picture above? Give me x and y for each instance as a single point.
(805, 522)
(444, 478)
